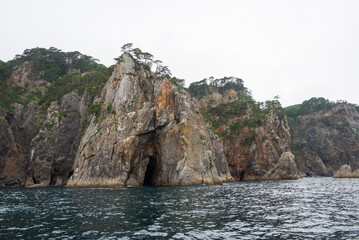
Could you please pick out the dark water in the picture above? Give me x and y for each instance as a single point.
(310, 208)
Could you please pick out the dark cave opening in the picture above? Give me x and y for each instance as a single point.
(34, 179)
(149, 175)
(242, 175)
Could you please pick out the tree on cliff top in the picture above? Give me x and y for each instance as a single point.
(147, 60)
(127, 47)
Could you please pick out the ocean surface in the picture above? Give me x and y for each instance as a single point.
(310, 208)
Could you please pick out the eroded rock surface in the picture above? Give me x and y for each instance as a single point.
(285, 169)
(149, 133)
(53, 149)
(325, 139)
(43, 101)
(254, 137)
(16, 130)
(345, 171)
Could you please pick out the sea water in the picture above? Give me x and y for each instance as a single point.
(309, 208)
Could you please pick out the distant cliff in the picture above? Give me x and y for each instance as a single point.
(325, 135)
(254, 134)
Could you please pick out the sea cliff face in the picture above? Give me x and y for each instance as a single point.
(39, 151)
(140, 129)
(44, 100)
(254, 135)
(325, 136)
(53, 148)
(67, 120)
(149, 133)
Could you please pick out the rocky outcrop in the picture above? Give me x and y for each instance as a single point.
(43, 99)
(254, 152)
(39, 151)
(253, 137)
(142, 130)
(17, 128)
(285, 169)
(323, 140)
(345, 171)
(149, 133)
(11, 165)
(53, 149)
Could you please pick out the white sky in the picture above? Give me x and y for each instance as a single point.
(294, 49)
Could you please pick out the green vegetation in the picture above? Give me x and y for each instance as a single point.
(308, 107)
(222, 133)
(63, 71)
(199, 89)
(177, 82)
(92, 83)
(206, 86)
(239, 114)
(92, 136)
(146, 60)
(95, 108)
(250, 138)
(50, 64)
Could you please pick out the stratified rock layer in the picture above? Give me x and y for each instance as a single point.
(149, 133)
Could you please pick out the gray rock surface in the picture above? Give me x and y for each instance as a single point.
(53, 149)
(286, 169)
(155, 135)
(325, 140)
(252, 145)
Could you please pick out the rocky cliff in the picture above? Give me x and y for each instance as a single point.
(45, 95)
(64, 121)
(149, 133)
(53, 148)
(325, 136)
(254, 135)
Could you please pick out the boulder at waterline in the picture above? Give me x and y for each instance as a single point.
(345, 171)
(286, 169)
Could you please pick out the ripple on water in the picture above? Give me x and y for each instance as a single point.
(309, 208)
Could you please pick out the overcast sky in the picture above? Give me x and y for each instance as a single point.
(294, 49)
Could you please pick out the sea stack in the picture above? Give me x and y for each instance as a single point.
(149, 132)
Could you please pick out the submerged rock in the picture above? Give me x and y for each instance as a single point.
(149, 133)
(345, 171)
(286, 169)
